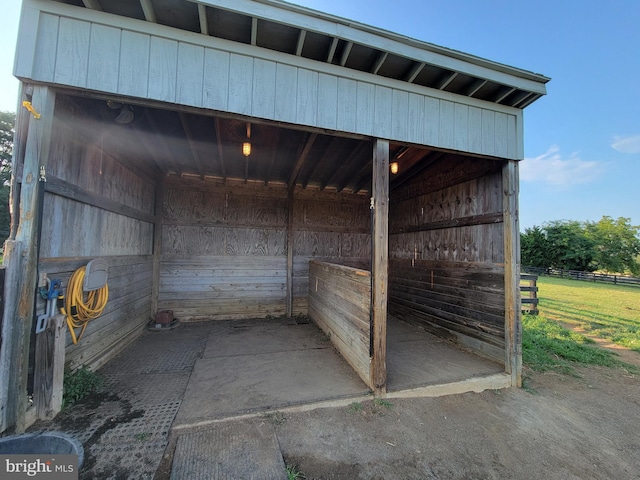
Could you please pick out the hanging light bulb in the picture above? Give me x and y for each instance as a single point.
(394, 167)
(246, 149)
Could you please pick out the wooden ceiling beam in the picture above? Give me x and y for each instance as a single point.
(418, 168)
(352, 167)
(529, 100)
(508, 92)
(477, 85)
(220, 150)
(202, 16)
(348, 165)
(184, 121)
(254, 31)
(365, 176)
(446, 81)
(274, 154)
(301, 159)
(149, 12)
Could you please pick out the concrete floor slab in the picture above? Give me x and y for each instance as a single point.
(229, 451)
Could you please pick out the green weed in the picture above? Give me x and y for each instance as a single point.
(293, 473)
(381, 402)
(355, 407)
(80, 384)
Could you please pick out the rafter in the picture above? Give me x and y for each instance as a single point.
(301, 159)
(254, 31)
(379, 62)
(345, 54)
(447, 80)
(274, 154)
(300, 45)
(416, 169)
(352, 170)
(508, 92)
(478, 84)
(202, 15)
(332, 50)
(149, 12)
(348, 163)
(414, 72)
(184, 121)
(93, 4)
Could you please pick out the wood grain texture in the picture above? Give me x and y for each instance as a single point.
(339, 302)
(163, 65)
(72, 55)
(104, 58)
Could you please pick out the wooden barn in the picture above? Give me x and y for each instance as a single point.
(253, 158)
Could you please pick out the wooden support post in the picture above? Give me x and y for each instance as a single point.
(513, 325)
(379, 265)
(49, 368)
(36, 155)
(290, 200)
(157, 245)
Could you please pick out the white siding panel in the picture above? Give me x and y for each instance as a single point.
(475, 130)
(382, 109)
(501, 133)
(134, 64)
(264, 88)
(365, 100)
(488, 132)
(416, 117)
(104, 58)
(446, 124)
(347, 105)
(190, 74)
(240, 83)
(307, 108)
(461, 127)
(431, 132)
(512, 146)
(400, 115)
(72, 56)
(327, 101)
(46, 46)
(216, 79)
(163, 69)
(286, 88)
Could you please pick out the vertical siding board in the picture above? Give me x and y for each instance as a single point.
(475, 130)
(307, 107)
(416, 117)
(104, 58)
(163, 65)
(501, 133)
(512, 145)
(72, 55)
(431, 132)
(365, 98)
(461, 127)
(327, 101)
(347, 106)
(240, 84)
(46, 46)
(286, 88)
(216, 79)
(134, 64)
(382, 111)
(264, 88)
(190, 74)
(400, 115)
(488, 132)
(446, 124)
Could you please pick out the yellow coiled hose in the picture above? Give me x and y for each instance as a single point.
(78, 311)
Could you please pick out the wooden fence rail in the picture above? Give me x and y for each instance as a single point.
(529, 293)
(585, 276)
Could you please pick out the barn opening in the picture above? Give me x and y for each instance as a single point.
(235, 162)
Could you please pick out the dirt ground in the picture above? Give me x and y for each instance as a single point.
(564, 427)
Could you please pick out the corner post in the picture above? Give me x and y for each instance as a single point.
(379, 265)
(512, 310)
(290, 202)
(157, 243)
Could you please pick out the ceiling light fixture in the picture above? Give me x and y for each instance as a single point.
(246, 149)
(394, 167)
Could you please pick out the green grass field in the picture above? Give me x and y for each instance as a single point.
(605, 311)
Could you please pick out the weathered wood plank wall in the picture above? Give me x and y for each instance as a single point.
(340, 303)
(224, 246)
(87, 49)
(446, 257)
(94, 207)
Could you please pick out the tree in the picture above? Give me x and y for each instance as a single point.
(569, 246)
(617, 245)
(535, 248)
(7, 123)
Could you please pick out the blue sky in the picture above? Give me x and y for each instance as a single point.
(582, 141)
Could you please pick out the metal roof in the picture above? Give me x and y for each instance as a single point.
(294, 30)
